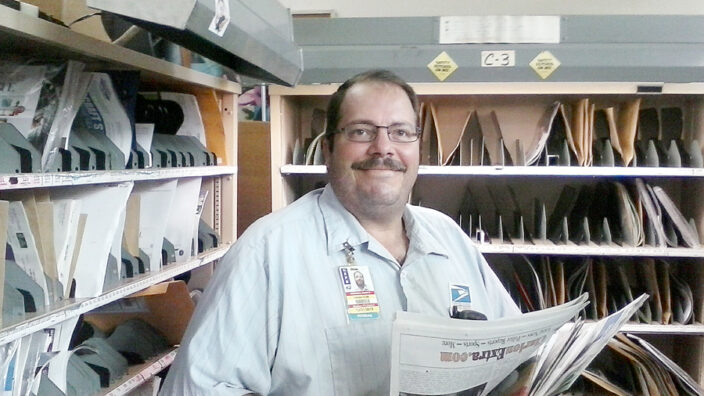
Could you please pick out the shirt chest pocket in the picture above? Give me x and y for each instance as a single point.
(360, 358)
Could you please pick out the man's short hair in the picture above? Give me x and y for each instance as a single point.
(376, 75)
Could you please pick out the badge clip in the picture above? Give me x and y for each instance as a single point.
(349, 253)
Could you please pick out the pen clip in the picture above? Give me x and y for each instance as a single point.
(467, 314)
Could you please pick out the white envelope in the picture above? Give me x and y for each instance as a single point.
(182, 217)
(66, 215)
(103, 206)
(155, 200)
(24, 248)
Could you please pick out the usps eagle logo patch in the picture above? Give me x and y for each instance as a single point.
(460, 294)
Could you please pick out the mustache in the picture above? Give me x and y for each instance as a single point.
(379, 163)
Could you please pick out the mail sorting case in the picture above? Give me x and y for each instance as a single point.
(80, 239)
(546, 205)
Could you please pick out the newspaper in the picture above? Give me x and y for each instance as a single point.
(538, 353)
(20, 89)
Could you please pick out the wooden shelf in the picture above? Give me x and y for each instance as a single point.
(63, 310)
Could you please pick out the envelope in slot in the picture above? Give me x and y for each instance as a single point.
(472, 149)
(493, 139)
(659, 373)
(631, 226)
(688, 235)
(682, 299)
(559, 148)
(577, 278)
(602, 287)
(563, 207)
(649, 281)
(627, 123)
(430, 154)
(663, 276)
(525, 129)
(450, 120)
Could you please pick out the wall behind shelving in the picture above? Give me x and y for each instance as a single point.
(388, 8)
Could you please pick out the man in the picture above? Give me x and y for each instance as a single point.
(278, 317)
(359, 281)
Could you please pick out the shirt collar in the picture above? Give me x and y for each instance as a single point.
(420, 236)
(341, 226)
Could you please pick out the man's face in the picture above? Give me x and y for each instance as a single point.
(376, 175)
(359, 279)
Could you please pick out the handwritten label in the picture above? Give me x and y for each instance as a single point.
(498, 58)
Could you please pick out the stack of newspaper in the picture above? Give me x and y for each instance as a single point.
(538, 353)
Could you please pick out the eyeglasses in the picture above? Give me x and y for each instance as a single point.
(365, 133)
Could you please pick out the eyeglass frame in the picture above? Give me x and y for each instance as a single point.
(418, 130)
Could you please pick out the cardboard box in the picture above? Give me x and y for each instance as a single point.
(166, 306)
(67, 11)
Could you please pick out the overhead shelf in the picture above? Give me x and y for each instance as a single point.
(590, 48)
(252, 37)
(515, 88)
(21, 34)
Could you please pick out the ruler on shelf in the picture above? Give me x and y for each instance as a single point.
(61, 179)
(140, 374)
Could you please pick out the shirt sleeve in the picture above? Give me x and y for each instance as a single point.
(229, 344)
(505, 306)
(502, 303)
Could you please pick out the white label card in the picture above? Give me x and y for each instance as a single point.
(221, 17)
(499, 29)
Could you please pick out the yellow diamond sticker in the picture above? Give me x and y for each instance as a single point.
(442, 66)
(544, 64)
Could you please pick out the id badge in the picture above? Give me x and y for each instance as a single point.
(360, 298)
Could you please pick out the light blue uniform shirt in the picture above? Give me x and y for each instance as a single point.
(273, 320)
